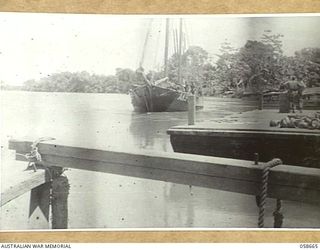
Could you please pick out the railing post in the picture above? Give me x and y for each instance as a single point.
(191, 109)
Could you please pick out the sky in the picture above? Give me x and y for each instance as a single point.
(36, 45)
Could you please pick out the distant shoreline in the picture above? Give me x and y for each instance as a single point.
(118, 93)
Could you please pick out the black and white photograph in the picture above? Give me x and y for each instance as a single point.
(170, 122)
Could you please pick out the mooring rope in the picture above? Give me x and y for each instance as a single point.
(264, 190)
(278, 216)
(34, 155)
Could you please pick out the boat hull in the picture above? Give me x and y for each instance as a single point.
(292, 147)
(157, 99)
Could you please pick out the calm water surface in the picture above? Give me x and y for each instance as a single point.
(99, 200)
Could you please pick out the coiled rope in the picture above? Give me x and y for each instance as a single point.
(263, 195)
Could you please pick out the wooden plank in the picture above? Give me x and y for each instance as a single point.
(286, 182)
(172, 161)
(23, 182)
(221, 130)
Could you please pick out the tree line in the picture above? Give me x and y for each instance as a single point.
(84, 82)
(257, 66)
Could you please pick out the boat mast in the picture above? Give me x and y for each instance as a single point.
(179, 53)
(166, 49)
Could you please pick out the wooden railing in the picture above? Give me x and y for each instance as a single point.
(285, 182)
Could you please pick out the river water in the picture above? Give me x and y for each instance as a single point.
(99, 200)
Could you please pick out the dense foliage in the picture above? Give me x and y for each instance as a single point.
(84, 82)
(261, 66)
(257, 66)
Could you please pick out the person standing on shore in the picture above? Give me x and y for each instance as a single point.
(295, 89)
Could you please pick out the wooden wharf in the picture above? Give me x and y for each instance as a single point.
(285, 182)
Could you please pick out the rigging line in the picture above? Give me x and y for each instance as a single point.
(186, 34)
(189, 34)
(174, 41)
(145, 44)
(166, 46)
(183, 37)
(177, 40)
(172, 49)
(184, 43)
(180, 52)
(157, 46)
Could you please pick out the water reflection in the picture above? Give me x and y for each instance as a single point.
(149, 129)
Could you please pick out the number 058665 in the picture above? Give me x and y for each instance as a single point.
(309, 246)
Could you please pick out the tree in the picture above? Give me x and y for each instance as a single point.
(79, 82)
(195, 67)
(231, 71)
(126, 79)
(307, 66)
(255, 67)
(311, 55)
(274, 40)
(264, 61)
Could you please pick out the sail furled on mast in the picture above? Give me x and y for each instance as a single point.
(153, 45)
(145, 44)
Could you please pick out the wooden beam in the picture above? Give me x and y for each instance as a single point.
(23, 182)
(285, 182)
